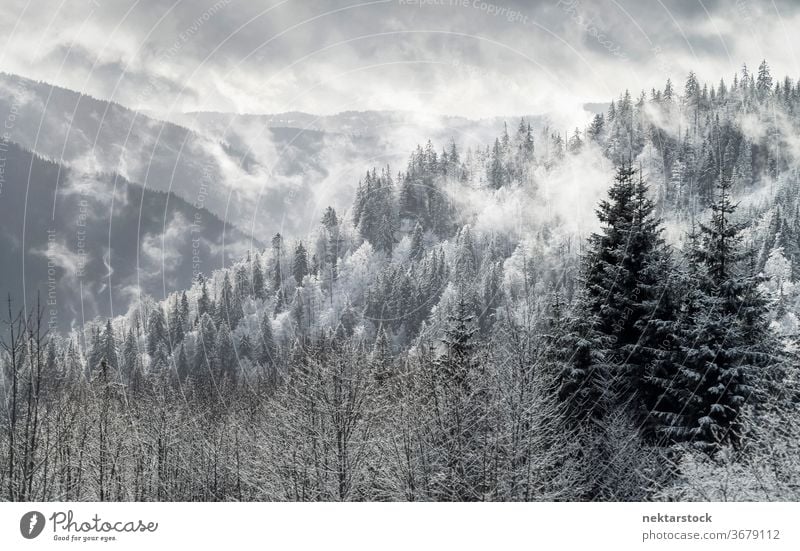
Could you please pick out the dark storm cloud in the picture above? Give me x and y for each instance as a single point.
(472, 57)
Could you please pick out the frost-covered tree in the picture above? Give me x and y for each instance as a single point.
(110, 348)
(157, 332)
(623, 298)
(259, 287)
(725, 343)
(225, 358)
(300, 263)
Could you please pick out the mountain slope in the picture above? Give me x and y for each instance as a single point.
(90, 245)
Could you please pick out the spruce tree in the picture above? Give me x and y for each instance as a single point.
(242, 281)
(175, 323)
(459, 392)
(259, 289)
(381, 360)
(595, 131)
(110, 348)
(184, 311)
(230, 309)
(417, 244)
(466, 262)
(764, 81)
(496, 170)
(157, 334)
(130, 356)
(204, 303)
(329, 219)
(159, 360)
(95, 354)
(277, 273)
(332, 250)
(300, 264)
(584, 378)
(622, 316)
(726, 342)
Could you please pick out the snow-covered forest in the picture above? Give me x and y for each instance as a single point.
(458, 335)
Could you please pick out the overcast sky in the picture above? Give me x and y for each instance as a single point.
(463, 57)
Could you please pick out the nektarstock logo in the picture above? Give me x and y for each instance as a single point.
(31, 524)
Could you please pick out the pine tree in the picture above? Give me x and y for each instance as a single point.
(709, 173)
(230, 307)
(259, 289)
(157, 333)
(623, 296)
(691, 90)
(110, 348)
(669, 93)
(242, 282)
(461, 430)
(359, 202)
(95, 354)
(584, 379)
(595, 131)
(277, 274)
(764, 81)
(381, 360)
(417, 245)
(453, 165)
(408, 202)
(556, 147)
(72, 359)
(496, 171)
(184, 312)
(175, 323)
(725, 340)
(375, 211)
(204, 304)
(466, 263)
(130, 356)
(300, 264)
(332, 249)
(329, 219)
(385, 239)
(691, 96)
(458, 359)
(575, 143)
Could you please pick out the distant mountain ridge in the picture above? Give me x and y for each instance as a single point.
(90, 246)
(258, 172)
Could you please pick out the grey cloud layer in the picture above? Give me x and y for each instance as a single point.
(470, 57)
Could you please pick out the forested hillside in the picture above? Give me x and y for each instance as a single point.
(89, 244)
(456, 336)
